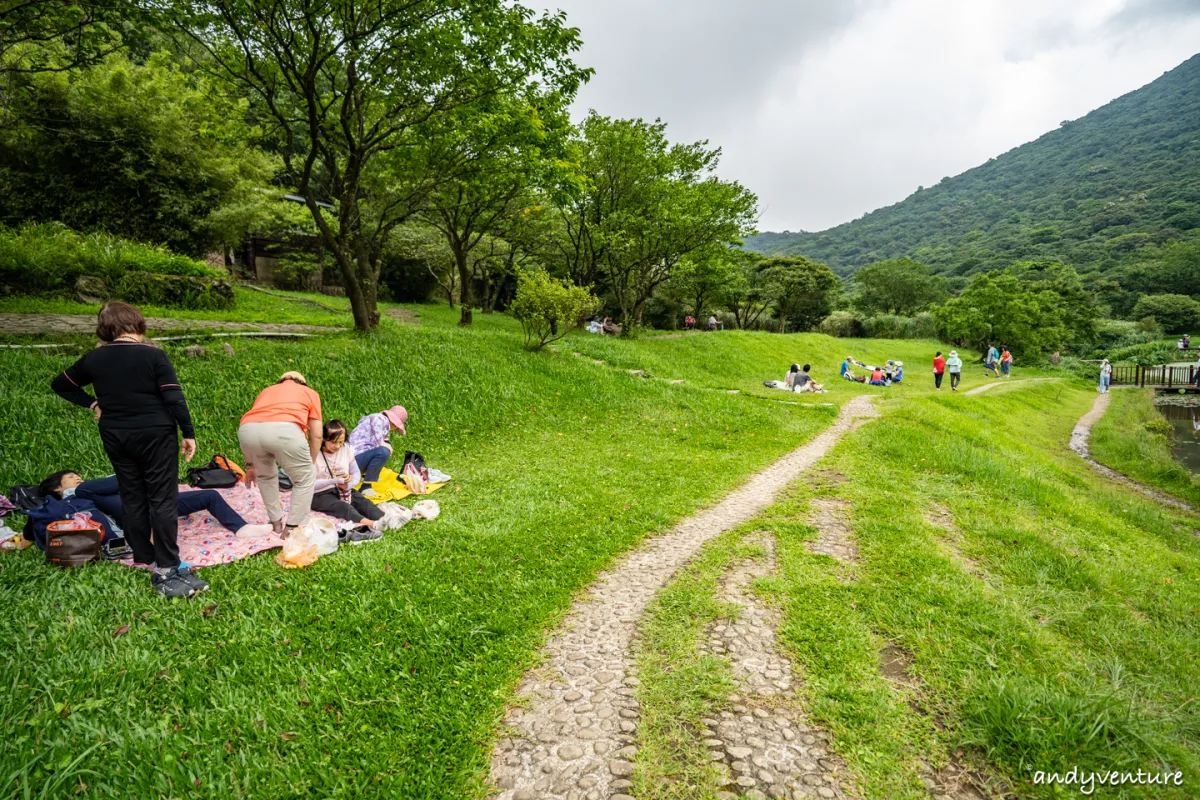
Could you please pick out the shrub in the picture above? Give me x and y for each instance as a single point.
(1176, 313)
(843, 324)
(1114, 335)
(549, 309)
(50, 259)
(890, 326)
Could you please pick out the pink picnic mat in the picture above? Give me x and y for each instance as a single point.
(204, 543)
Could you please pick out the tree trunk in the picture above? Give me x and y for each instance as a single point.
(465, 288)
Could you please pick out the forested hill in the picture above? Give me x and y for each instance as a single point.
(1097, 193)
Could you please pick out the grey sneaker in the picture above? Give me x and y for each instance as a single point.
(171, 585)
(193, 580)
(361, 535)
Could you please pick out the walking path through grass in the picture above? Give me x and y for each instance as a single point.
(578, 731)
(42, 324)
(1079, 443)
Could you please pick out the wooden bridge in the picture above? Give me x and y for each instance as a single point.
(1157, 377)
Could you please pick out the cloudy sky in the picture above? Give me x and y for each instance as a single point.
(829, 109)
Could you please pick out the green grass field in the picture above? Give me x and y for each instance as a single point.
(1132, 438)
(383, 670)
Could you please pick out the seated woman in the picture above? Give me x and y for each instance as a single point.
(337, 474)
(877, 378)
(370, 445)
(898, 372)
(102, 492)
(789, 381)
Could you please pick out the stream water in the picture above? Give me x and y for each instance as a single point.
(1186, 421)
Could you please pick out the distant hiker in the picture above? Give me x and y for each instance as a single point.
(283, 429)
(689, 323)
(1105, 375)
(939, 367)
(992, 360)
(1187, 341)
(713, 323)
(1055, 358)
(1006, 362)
(144, 414)
(954, 367)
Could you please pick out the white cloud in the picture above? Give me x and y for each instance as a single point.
(829, 109)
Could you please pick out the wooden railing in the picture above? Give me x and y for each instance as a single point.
(1158, 377)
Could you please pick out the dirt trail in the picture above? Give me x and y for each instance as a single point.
(576, 736)
(34, 324)
(1082, 434)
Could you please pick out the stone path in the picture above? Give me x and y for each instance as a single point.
(34, 324)
(575, 738)
(764, 741)
(834, 538)
(989, 386)
(1080, 437)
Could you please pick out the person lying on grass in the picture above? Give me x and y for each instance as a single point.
(370, 445)
(104, 494)
(337, 475)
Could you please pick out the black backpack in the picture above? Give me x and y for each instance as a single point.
(418, 462)
(212, 476)
(25, 496)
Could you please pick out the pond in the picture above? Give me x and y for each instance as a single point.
(1185, 419)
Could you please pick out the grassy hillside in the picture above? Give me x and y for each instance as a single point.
(1099, 192)
(382, 670)
(388, 663)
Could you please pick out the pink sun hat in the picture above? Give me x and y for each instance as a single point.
(397, 416)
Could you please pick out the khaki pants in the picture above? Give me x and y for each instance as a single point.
(268, 444)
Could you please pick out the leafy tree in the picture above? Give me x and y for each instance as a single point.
(748, 294)
(899, 286)
(802, 291)
(145, 151)
(1176, 313)
(704, 279)
(1031, 314)
(644, 206)
(357, 91)
(504, 146)
(58, 35)
(550, 308)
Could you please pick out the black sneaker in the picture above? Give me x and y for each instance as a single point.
(171, 585)
(193, 580)
(362, 535)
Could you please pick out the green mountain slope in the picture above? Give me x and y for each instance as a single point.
(1097, 193)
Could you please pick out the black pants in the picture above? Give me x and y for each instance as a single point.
(328, 502)
(954, 379)
(146, 461)
(937, 380)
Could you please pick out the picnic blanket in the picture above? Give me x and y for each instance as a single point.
(203, 542)
(391, 487)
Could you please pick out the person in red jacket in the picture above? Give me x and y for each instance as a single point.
(939, 369)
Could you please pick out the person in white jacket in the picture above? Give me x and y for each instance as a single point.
(954, 367)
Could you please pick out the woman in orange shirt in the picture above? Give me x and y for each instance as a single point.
(283, 429)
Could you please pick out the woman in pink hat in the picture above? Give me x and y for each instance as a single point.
(370, 444)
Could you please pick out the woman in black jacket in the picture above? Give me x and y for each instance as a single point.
(139, 404)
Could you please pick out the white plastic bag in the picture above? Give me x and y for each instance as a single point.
(426, 509)
(395, 516)
(323, 534)
(297, 550)
(413, 479)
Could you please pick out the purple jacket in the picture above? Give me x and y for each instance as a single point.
(370, 432)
